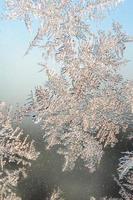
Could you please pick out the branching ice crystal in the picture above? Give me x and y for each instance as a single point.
(81, 146)
(125, 173)
(57, 19)
(8, 181)
(125, 164)
(86, 106)
(56, 195)
(16, 149)
(83, 108)
(75, 117)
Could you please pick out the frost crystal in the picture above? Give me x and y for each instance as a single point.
(84, 107)
(57, 19)
(81, 146)
(125, 173)
(14, 149)
(56, 195)
(125, 164)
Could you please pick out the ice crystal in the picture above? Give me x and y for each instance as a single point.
(81, 146)
(125, 190)
(57, 19)
(76, 115)
(8, 181)
(56, 195)
(125, 173)
(125, 164)
(85, 106)
(16, 149)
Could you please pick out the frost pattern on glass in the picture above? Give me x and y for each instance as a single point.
(16, 149)
(81, 103)
(83, 108)
(57, 19)
(88, 101)
(125, 176)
